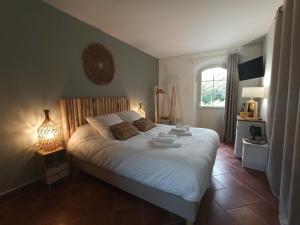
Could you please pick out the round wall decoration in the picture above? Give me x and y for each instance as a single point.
(98, 64)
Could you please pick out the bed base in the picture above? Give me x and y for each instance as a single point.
(167, 201)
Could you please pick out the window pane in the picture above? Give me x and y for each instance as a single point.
(219, 93)
(207, 85)
(213, 87)
(220, 75)
(206, 99)
(206, 93)
(207, 75)
(220, 85)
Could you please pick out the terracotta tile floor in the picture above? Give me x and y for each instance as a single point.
(237, 196)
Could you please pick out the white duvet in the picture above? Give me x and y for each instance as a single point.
(183, 171)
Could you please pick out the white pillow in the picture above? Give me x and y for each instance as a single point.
(102, 124)
(83, 133)
(129, 116)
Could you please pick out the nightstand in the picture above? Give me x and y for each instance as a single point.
(255, 156)
(52, 165)
(243, 131)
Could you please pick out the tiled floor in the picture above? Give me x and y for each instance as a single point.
(237, 197)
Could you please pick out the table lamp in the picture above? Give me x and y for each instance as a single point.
(48, 134)
(251, 105)
(141, 111)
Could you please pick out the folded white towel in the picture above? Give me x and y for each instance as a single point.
(166, 135)
(187, 133)
(166, 145)
(182, 125)
(165, 139)
(178, 129)
(187, 127)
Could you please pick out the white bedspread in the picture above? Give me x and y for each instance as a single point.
(183, 171)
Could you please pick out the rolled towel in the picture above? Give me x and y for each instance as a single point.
(166, 145)
(165, 139)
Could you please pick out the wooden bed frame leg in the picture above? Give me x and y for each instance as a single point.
(187, 222)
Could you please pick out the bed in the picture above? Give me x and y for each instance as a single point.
(174, 179)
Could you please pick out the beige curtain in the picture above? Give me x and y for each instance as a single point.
(284, 114)
(231, 98)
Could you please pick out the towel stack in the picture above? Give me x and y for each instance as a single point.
(166, 140)
(181, 131)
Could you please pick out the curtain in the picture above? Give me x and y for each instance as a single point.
(231, 98)
(283, 123)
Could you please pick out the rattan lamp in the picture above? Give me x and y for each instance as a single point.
(48, 134)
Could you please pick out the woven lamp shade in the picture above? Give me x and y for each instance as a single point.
(49, 137)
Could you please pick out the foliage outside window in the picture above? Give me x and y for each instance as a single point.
(213, 87)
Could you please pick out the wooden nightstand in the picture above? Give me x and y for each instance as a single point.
(52, 165)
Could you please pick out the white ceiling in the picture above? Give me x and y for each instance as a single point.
(165, 28)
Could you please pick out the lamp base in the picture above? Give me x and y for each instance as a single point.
(252, 108)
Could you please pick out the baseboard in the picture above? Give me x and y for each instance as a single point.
(17, 187)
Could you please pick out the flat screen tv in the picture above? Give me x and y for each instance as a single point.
(251, 69)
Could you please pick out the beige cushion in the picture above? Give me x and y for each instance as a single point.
(102, 124)
(124, 130)
(144, 124)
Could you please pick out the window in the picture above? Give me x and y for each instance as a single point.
(213, 87)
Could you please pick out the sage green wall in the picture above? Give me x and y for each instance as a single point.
(40, 62)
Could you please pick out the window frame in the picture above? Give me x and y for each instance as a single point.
(200, 86)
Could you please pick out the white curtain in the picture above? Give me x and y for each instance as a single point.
(284, 114)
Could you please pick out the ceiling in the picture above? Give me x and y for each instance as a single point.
(166, 28)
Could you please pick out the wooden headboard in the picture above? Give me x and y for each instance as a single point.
(75, 110)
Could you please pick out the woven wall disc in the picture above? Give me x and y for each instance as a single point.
(98, 64)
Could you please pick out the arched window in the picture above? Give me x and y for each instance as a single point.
(213, 87)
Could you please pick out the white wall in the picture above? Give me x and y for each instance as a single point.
(183, 71)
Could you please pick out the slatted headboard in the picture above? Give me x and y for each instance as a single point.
(75, 110)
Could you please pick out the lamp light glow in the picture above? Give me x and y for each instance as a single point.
(141, 111)
(48, 134)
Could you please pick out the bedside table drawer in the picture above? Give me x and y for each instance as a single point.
(56, 169)
(57, 176)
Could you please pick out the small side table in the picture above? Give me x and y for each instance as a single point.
(52, 165)
(255, 156)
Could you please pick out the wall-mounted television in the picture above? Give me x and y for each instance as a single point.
(252, 69)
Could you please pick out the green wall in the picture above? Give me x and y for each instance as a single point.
(40, 62)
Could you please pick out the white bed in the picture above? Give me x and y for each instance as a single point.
(183, 171)
(172, 178)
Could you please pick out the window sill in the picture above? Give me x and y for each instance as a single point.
(212, 107)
